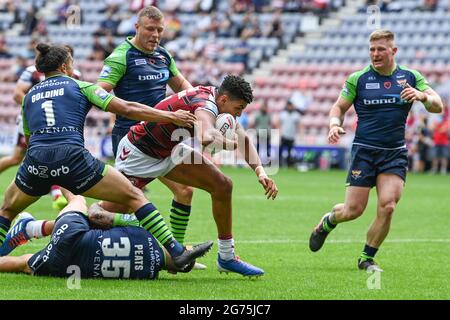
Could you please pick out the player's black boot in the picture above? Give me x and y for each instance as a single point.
(318, 236)
(368, 265)
(189, 255)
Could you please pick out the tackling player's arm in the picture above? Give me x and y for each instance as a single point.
(250, 154)
(141, 112)
(207, 134)
(112, 119)
(133, 110)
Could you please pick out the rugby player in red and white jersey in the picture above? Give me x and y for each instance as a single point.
(152, 150)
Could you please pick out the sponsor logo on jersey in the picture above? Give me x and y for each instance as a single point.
(345, 90)
(101, 93)
(379, 101)
(371, 78)
(157, 76)
(387, 84)
(106, 70)
(401, 83)
(372, 86)
(139, 62)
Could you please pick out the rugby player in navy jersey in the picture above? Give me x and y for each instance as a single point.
(29, 77)
(54, 112)
(382, 94)
(121, 252)
(153, 149)
(139, 70)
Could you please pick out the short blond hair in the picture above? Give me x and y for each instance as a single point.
(151, 12)
(382, 34)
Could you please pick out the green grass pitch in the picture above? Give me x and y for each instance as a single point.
(274, 236)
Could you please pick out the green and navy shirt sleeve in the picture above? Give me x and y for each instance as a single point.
(26, 130)
(421, 83)
(173, 70)
(95, 94)
(348, 92)
(115, 66)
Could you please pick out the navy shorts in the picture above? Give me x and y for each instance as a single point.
(54, 259)
(367, 163)
(71, 167)
(116, 135)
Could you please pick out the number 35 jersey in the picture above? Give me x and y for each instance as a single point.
(77, 250)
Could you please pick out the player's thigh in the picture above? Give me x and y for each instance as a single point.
(389, 188)
(201, 173)
(115, 187)
(16, 200)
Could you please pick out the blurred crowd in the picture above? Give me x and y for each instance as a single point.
(427, 137)
(399, 5)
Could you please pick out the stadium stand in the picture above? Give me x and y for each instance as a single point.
(283, 47)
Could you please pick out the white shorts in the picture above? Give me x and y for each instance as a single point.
(134, 163)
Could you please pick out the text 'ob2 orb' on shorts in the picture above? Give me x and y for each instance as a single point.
(71, 167)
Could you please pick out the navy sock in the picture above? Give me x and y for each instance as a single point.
(152, 221)
(368, 252)
(5, 224)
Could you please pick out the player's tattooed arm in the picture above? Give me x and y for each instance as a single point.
(99, 218)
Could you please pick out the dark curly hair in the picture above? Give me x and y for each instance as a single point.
(50, 58)
(237, 88)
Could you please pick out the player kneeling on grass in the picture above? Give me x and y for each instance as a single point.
(115, 252)
(153, 149)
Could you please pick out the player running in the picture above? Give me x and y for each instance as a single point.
(54, 112)
(382, 94)
(153, 149)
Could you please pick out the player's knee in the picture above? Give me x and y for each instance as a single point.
(134, 195)
(224, 186)
(354, 211)
(338, 208)
(387, 208)
(185, 193)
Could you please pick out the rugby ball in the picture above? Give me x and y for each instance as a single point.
(226, 124)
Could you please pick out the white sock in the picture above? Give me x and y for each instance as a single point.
(226, 249)
(56, 192)
(34, 229)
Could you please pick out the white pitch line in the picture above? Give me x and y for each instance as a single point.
(291, 241)
(287, 241)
